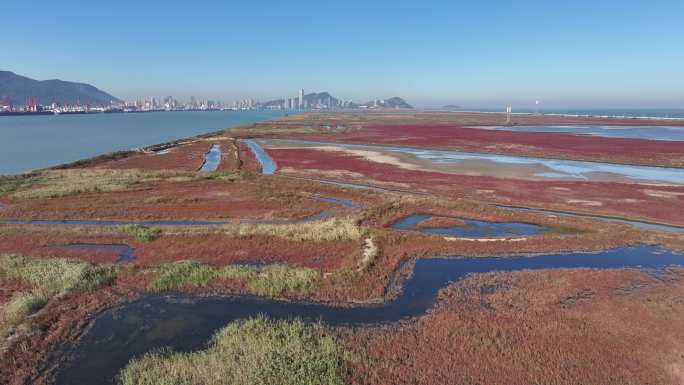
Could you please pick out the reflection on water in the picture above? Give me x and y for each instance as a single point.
(186, 322)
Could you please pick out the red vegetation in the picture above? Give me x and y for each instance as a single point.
(212, 248)
(195, 199)
(219, 249)
(9, 286)
(556, 145)
(619, 199)
(63, 320)
(34, 241)
(187, 157)
(556, 326)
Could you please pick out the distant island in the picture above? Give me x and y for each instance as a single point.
(19, 90)
(452, 107)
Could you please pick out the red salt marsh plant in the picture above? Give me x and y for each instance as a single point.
(607, 198)
(554, 326)
(557, 145)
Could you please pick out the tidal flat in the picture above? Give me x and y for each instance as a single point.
(316, 248)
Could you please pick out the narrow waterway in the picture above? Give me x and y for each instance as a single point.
(268, 166)
(470, 228)
(187, 322)
(124, 253)
(212, 159)
(637, 224)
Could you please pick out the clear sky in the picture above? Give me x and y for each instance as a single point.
(612, 53)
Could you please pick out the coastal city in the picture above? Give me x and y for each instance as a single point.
(301, 102)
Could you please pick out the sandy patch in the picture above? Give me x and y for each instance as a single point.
(328, 173)
(584, 202)
(452, 239)
(663, 194)
(560, 188)
(372, 156)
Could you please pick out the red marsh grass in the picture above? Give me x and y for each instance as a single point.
(631, 200)
(553, 326)
(549, 145)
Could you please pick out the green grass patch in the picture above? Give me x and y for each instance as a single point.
(273, 280)
(141, 233)
(255, 351)
(59, 183)
(269, 281)
(47, 278)
(227, 175)
(11, 184)
(177, 275)
(334, 229)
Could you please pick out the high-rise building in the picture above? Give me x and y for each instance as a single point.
(301, 98)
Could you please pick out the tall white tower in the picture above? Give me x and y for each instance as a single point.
(301, 99)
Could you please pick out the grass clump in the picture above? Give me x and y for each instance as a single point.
(47, 278)
(334, 229)
(273, 280)
(270, 280)
(177, 275)
(59, 183)
(255, 351)
(227, 175)
(141, 233)
(11, 184)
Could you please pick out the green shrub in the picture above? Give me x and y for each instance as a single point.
(274, 280)
(47, 278)
(256, 351)
(270, 281)
(177, 275)
(141, 233)
(59, 183)
(334, 229)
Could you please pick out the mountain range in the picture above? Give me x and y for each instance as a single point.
(17, 89)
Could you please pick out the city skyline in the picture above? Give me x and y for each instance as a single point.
(484, 54)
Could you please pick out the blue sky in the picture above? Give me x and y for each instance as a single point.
(474, 53)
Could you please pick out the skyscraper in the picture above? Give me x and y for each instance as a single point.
(301, 98)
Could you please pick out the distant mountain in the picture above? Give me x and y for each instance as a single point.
(17, 89)
(452, 107)
(395, 102)
(313, 100)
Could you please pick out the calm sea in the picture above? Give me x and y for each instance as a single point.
(31, 142)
